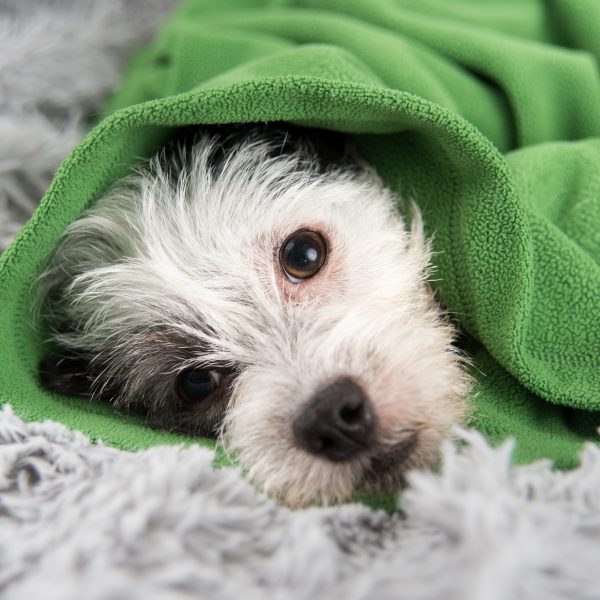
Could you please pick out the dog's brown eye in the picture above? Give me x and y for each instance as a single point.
(302, 255)
(195, 385)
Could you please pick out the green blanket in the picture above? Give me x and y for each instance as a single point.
(487, 112)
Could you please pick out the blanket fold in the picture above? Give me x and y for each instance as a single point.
(487, 114)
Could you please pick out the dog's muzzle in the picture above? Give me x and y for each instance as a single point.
(337, 423)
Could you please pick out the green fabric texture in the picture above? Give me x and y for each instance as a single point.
(487, 112)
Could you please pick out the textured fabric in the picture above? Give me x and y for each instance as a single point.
(87, 521)
(49, 89)
(487, 113)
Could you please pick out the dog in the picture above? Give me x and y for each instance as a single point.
(258, 284)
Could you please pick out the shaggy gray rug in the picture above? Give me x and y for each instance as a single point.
(84, 521)
(79, 520)
(58, 61)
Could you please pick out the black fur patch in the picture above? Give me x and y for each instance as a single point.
(65, 375)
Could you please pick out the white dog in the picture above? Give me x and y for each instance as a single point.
(259, 286)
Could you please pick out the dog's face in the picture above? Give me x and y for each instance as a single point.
(264, 299)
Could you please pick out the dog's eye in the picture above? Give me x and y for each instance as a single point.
(194, 385)
(302, 255)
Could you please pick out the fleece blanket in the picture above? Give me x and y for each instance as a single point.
(487, 114)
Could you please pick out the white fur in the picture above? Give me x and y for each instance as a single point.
(199, 249)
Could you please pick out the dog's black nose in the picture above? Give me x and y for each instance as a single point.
(337, 423)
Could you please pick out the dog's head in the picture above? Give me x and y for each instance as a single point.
(245, 290)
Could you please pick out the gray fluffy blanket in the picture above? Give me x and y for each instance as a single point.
(58, 61)
(85, 521)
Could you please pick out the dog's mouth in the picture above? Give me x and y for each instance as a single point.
(387, 468)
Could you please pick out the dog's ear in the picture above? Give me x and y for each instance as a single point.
(67, 375)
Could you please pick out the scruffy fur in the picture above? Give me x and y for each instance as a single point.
(177, 266)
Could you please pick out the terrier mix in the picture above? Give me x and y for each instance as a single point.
(259, 285)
